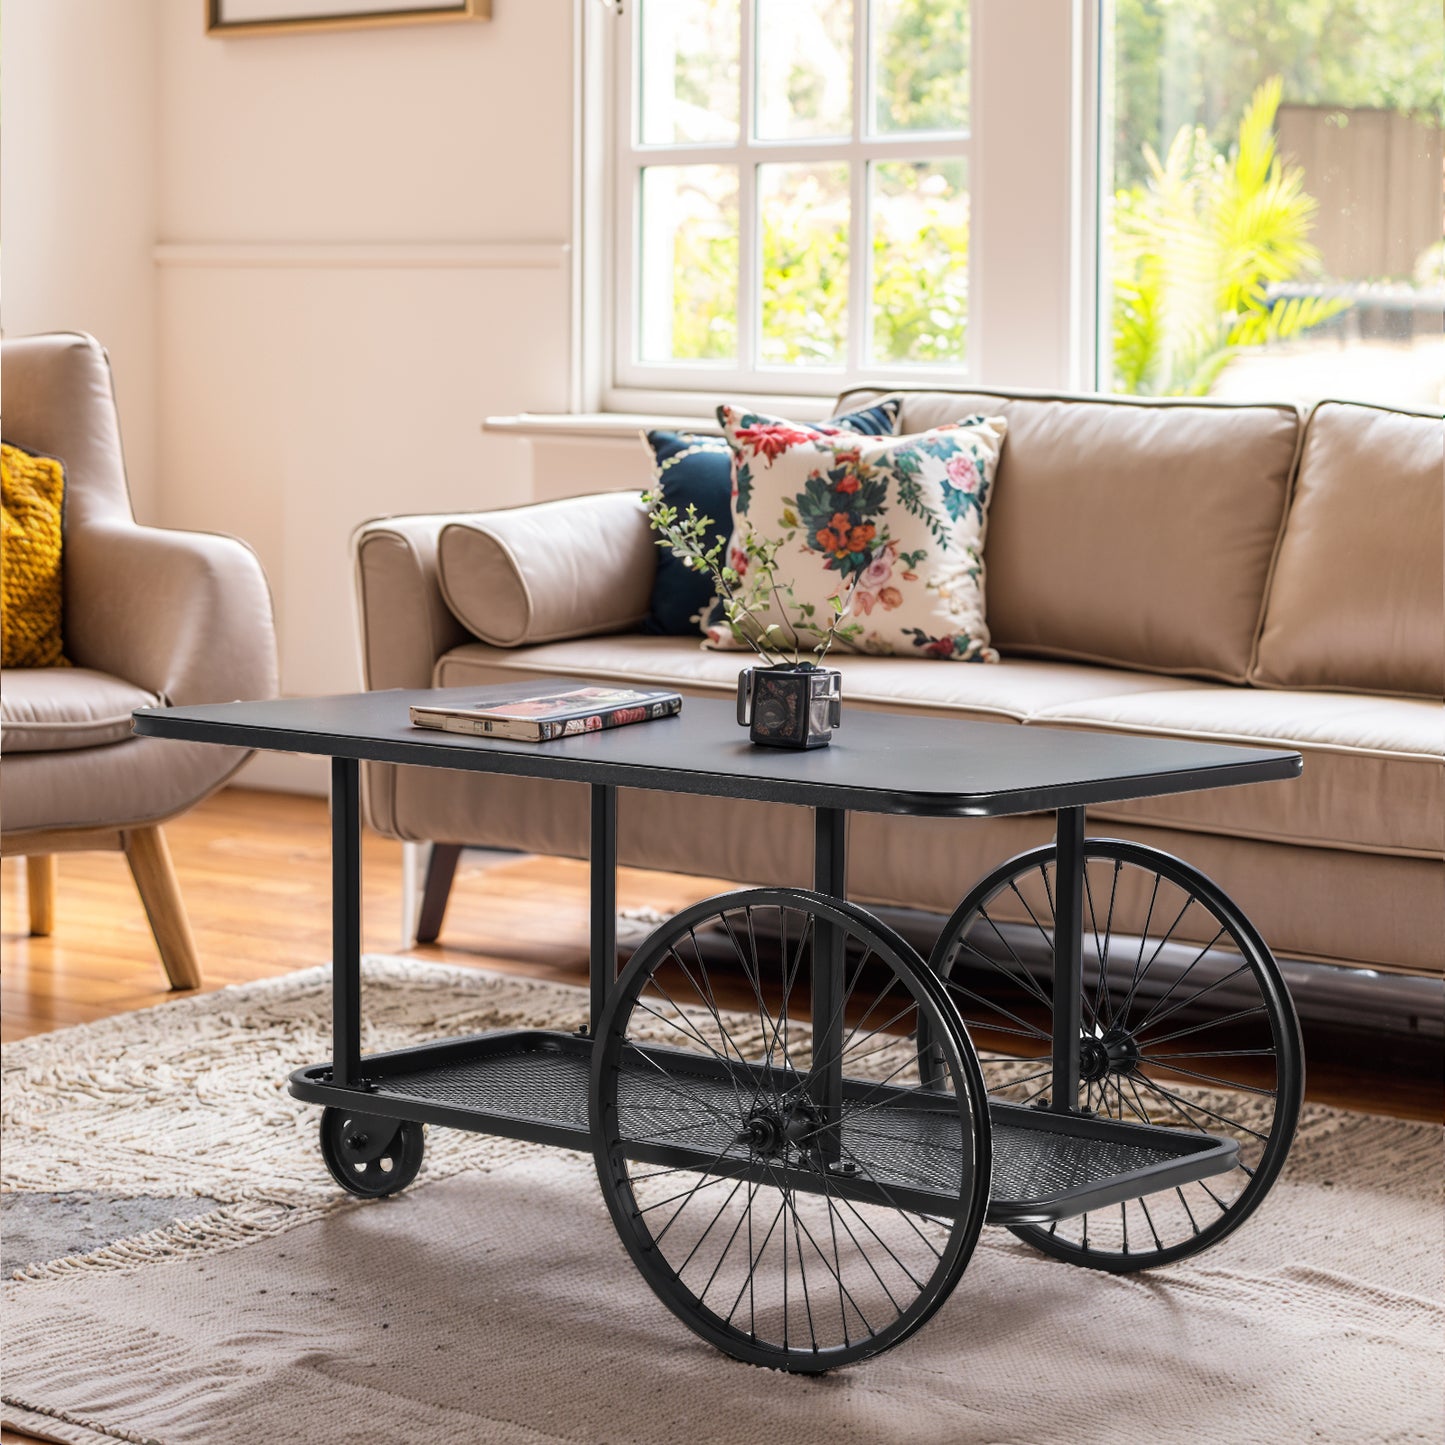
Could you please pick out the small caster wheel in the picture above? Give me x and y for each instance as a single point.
(370, 1156)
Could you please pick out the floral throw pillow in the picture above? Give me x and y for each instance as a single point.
(893, 527)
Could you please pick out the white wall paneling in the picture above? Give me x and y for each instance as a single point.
(79, 176)
(302, 400)
(1026, 180)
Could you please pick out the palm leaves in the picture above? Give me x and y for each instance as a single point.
(1197, 250)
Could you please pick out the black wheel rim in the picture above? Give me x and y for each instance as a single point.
(1187, 1024)
(370, 1156)
(784, 1234)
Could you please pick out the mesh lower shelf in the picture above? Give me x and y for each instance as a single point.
(535, 1085)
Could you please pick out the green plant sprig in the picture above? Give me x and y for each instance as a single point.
(747, 596)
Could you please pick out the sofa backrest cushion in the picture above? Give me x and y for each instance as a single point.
(1135, 533)
(1357, 601)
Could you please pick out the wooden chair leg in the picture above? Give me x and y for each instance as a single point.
(155, 880)
(441, 868)
(40, 886)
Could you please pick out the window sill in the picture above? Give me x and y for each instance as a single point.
(614, 425)
(604, 426)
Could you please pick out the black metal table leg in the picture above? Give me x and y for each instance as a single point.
(830, 858)
(603, 872)
(345, 920)
(1068, 959)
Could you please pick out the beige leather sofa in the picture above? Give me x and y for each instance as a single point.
(1231, 573)
(150, 617)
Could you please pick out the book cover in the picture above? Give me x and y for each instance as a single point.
(551, 715)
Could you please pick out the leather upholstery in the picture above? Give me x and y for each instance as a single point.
(177, 616)
(539, 574)
(1344, 865)
(1178, 505)
(1010, 692)
(1374, 768)
(1358, 598)
(52, 709)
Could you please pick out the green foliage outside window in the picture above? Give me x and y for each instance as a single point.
(919, 288)
(1196, 62)
(922, 65)
(1196, 249)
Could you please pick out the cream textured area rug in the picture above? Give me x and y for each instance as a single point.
(185, 1271)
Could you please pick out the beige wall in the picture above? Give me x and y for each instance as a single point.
(78, 192)
(364, 254)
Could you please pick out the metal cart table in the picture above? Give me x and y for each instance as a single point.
(799, 1124)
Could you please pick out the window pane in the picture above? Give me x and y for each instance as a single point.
(1273, 218)
(804, 212)
(688, 84)
(920, 65)
(805, 68)
(688, 276)
(920, 261)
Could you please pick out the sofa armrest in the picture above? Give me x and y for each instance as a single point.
(531, 574)
(186, 615)
(578, 567)
(405, 622)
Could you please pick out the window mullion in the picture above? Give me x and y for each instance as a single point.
(750, 263)
(625, 198)
(860, 251)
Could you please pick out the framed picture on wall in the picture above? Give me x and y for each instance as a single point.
(262, 17)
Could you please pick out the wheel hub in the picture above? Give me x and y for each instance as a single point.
(1112, 1052)
(772, 1128)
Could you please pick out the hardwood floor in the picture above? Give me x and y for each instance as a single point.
(255, 873)
(254, 869)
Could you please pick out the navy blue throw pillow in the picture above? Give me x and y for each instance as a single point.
(698, 470)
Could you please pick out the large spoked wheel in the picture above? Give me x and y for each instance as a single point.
(1186, 1024)
(369, 1156)
(773, 1163)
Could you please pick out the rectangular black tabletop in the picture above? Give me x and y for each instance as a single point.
(879, 762)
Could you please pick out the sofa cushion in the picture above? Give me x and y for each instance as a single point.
(1008, 692)
(691, 470)
(52, 709)
(1374, 768)
(557, 569)
(888, 531)
(1357, 602)
(1134, 533)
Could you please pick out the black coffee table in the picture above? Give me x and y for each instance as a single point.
(846, 1100)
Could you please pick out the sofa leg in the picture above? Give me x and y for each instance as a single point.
(155, 880)
(441, 868)
(40, 887)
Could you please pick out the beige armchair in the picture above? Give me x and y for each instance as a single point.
(151, 616)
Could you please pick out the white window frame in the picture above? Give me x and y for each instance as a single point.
(1032, 162)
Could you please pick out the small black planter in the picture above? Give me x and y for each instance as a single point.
(792, 705)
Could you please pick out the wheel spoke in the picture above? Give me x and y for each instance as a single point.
(1200, 1108)
(1245, 1013)
(1212, 1079)
(1179, 978)
(1023, 977)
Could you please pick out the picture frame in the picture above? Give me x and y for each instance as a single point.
(283, 17)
